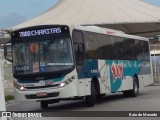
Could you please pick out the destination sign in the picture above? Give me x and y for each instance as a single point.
(40, 32)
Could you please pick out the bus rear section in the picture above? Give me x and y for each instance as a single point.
(110, 61)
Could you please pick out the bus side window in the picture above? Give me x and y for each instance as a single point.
(79, 49)
(79, 53)
(129, 47)
(144, 51)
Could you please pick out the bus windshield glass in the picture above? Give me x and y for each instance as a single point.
(42, 56)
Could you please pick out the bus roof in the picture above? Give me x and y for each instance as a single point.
(110, 32)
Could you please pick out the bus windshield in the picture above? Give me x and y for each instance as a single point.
(42, 56)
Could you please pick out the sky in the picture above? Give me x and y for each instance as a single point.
(13, 12)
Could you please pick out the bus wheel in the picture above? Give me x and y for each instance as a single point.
(44, 104)
(90, 100)
(135, 91)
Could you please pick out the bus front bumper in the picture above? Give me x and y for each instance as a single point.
(69, 91)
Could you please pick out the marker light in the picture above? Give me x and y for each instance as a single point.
(73, 77)
(67, 82)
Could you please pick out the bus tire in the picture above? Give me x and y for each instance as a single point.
(44, 104)
(90, 100)
(135, 91)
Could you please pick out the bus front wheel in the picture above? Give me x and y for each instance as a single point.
(90, 100)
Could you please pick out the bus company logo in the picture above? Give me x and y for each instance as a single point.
(117, 71)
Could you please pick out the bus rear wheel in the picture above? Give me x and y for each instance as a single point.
(90, 100)
(135, 91)
(44, 104)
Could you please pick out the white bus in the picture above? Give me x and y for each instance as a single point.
(49, 65)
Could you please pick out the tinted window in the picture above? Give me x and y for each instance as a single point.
(91, 45)
(120, 42)
(144, 53)
(129, 44)
(77, 37)
(78, 46)
(100, 46)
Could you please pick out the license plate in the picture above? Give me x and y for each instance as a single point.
(42, 94)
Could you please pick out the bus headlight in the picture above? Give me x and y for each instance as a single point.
(65, 83)
(62, 84)
(19, 87)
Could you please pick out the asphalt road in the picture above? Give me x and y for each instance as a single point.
(148, 100)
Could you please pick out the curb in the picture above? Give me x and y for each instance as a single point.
(155, 85)
(9, 118)
(10, 102)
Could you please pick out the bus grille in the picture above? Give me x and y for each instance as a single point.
(47, 96)
(39, 87)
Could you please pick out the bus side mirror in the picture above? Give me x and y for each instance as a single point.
(8, 51)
